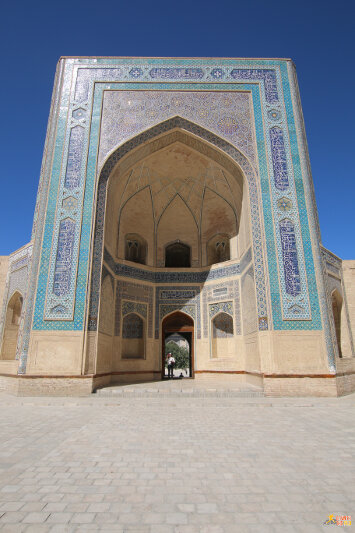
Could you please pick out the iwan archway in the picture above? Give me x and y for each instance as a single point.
(177, 185)
(177, 226)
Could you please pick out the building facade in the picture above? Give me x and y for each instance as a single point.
(176, 196)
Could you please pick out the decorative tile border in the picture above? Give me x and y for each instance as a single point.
(225, 307)
(185, 299)
(218, 293)
(131, 295)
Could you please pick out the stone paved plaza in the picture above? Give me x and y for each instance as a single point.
(175, 465)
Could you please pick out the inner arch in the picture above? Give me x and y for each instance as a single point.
(226, 157)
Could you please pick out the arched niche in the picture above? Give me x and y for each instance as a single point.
(337, 303)
(218, 249)
(177, 255)
(135, 248)
(222, 335)
(133, 336)
(11, 326)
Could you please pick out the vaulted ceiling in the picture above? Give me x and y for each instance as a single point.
(179, 170)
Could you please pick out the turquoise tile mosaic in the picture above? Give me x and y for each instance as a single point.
(73, 187)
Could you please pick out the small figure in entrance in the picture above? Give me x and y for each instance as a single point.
(171, 364)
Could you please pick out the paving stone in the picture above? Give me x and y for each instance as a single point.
(230, 465)
(13, 528)
(12, 517)
(59, 517)
(10, 506)
(33, 506)
(35, 518)
(37, 528)
(82, 518)
(98, 507)
(55, 507)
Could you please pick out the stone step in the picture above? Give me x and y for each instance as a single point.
(125, 391)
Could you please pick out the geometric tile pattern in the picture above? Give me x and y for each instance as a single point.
(130, 307)
(132, 297)
(185, 299)
(221, 295)
(132, 327)
(173, 276)
(279, 161)
(63, 264)
(225, 114)
(76, 142)
(226, 307)
(290, 259)
(266, 81)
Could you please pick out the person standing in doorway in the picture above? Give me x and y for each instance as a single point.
(171, 364)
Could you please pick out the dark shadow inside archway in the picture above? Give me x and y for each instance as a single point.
(183, 325)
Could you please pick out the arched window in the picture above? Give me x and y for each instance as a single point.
(177, 255)
(135, 248)
(218, 249)
(133, 337)
(337, 303)
(12, 322)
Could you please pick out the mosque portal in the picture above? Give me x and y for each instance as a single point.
(176, 211)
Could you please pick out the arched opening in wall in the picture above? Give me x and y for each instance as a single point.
(135, 248)
(222, 334)
(179, 325)
(11, 329)
(177, 255)
(133, 337)
(178, 203)
(337, 303)
(218, 249)
(173, 183)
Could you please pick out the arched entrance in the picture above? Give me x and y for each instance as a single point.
(176, 194)
(182, 324)
(12, 323)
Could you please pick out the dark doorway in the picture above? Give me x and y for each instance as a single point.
(177, 255)
(179, 325)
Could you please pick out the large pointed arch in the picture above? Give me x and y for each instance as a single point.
(207, 143)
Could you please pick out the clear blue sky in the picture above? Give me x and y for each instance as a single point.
(318, 36)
